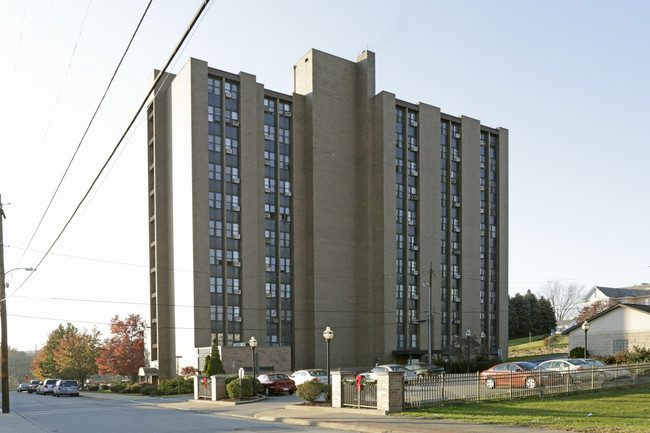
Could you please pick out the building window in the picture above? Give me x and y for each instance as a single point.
(620, 345)
(214, 200)
(216, 285)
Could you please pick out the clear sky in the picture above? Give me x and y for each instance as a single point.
(570, 80)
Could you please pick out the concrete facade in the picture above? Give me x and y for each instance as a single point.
(331, 245)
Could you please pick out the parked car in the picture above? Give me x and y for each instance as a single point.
(422, 369)
(23, 387)
(33, 385)
(66, 387)
(314, 374)
(575, 368)
(276, 382)
(47, 387)
(372, 374)
(520, 374)
(611, 372)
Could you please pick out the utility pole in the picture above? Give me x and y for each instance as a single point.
(3, 320)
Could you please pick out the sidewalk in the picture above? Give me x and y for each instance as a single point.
(276, 410)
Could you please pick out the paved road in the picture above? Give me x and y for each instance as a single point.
(139, 414)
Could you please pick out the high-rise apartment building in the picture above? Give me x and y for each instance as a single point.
(275, 215)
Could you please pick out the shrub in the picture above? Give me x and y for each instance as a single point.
(309, 391)
(93, 387)
(148, 389)
(135, 389)
(639, 354)
(117, 388)
(622, 357)
(578, 352)
(246, 387)
(155, 392)
(230, 378)
(169, 387)
(607, 359)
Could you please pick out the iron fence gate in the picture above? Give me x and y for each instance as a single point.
(365, 396)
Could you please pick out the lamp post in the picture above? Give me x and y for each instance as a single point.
(4, 346)
(253, 344)
(483, 339)
(328, 335)
(468, 334)
(586, 325)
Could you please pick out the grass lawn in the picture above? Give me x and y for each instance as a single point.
(537, 342)
(621, 411)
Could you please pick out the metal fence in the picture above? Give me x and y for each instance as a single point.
(205, 387)
(471, 387)
(365, 396)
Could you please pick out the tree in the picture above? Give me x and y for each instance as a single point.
(76, 356)
(44, 364)
(19, 365)
(206, 367)
(189, 371)
(518, 317)
(565, 298)
(215, 366)
(123, 353)
(546, 316)
(529, 315)
(592, 309)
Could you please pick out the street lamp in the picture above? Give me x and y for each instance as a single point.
(483, 339)
(468, 334)
(328, 335)
(586, 325)
(4, 382)
(253, 344)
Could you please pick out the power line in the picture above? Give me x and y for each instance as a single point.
(67, 71)
(83, 137)
(133, 120)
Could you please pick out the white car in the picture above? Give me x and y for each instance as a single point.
(47, 387)
(372, 374)
(313, 374)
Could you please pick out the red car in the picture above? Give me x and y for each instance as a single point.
(521, 374)
(276, 382)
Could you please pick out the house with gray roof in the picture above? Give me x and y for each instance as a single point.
(638, 295)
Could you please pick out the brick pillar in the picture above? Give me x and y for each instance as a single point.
(390, 391)
(337, 389)
(218, 387)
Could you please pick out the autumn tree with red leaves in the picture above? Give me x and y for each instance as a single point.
(592, 309)
(123, 353)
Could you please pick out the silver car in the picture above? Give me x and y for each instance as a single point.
(576, 369)
(372, 374)
(66, 387)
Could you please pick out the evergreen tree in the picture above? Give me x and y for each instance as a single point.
(215, 366)
(534, 324)
(519, 317)
(547, 315)
(206, 367)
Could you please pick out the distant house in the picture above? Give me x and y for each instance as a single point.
(639, 295)
(563, 325)
(619, 327)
